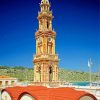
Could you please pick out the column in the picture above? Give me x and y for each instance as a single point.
(53, 75)
(56, 73)
(3, 82)
(41, 72)
(53, 46)
(36, 46)
(9, 82)
(47, 74)
(45, 45)
(39, 25)
(34, 73)
(50, 25)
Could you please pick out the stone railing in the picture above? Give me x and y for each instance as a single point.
(48, 84)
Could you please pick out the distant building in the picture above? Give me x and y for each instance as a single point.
(43, 93)
(7, 81)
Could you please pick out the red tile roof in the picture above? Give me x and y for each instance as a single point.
(15, 92)
(43, 93)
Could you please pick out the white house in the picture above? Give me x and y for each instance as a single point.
(7, 81)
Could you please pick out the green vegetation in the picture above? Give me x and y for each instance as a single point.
(75, 76)
(20, 72)
(23, 74)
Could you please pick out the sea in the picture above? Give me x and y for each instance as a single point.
(81, 83)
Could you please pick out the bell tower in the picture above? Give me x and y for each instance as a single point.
(45, 60)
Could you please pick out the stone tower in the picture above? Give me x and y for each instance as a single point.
(45, 59)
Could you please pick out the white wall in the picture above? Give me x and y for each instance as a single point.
(9, 82)
(5, 96)
(0, 95)
(27, 97)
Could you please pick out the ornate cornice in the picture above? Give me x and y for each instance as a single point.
(45, 14)
(45, 57)
(45, 33)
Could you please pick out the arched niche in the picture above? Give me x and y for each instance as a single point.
(27, 97)
(6, 96)
(50, 73)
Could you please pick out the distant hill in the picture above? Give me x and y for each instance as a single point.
(20, 72)
(75, 76)
(23, 74)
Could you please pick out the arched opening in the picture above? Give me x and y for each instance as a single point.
(50, 73)
(47, 25)
(6, 83)
(5, 96)
(86, 98)
(0, 83)
(26, 96)
(12, 83)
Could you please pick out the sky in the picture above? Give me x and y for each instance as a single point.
(76, 22)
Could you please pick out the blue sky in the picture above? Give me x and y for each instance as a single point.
(77, 23)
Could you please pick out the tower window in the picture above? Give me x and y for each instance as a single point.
(47, 24)
(50, 73)
(50, 69)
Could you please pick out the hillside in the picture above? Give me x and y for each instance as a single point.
(75, 76)
(23, 73)
(19, 72)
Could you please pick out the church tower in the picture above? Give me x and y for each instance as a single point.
(45, 59)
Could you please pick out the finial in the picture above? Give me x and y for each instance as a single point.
(45, 1)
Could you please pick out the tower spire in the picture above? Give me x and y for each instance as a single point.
(45, 5)
(45, 59)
